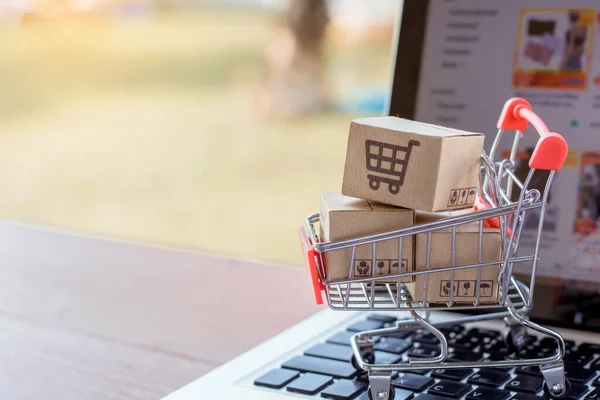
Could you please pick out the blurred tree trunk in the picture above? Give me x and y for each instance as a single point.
(293, 83)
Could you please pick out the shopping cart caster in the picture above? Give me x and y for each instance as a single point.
(367, 352)
(558, 389)
(369, 358)
(380, 386)
(390, 395)
(556, 385)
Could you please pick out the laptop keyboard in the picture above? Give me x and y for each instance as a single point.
(325, 369)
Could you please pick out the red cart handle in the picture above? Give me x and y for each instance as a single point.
(310, 258)
(551, 149)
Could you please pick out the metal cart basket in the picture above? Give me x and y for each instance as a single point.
(493, 209)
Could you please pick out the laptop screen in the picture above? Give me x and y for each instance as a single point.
(458, 61)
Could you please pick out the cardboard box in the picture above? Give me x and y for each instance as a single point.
(345, 217)
(412, 164)
(467, 249)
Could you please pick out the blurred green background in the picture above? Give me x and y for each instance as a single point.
(142, 125)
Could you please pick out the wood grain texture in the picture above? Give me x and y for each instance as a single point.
(41, 363)
(126, 320)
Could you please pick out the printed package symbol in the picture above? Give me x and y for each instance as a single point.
(389, 161)
(363, 267)
(466, 288)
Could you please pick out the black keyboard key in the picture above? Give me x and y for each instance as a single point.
(531, 371)
(578, 357)
(276, 378)
(427, 396)
(337, 369)
(401, 334)
(595, 365)
(399, 394)
(492, 334)
(344, 353)
(309, 384)
(594, 395)
(464, 342)
(593, 348)
(483, 393)
(424, 351)
(425, 337)
(489, 377)
(527, 396)
(344, 390)
(382, 357)
(449, 389)
(414, 382)
(550, 344)
(341, 338)
(331, 351)
(393, 345)
(533, 351)
(596, 382)
(525, 383)
(365, 325)
(452, 374)
(452, 331)
(387, 319)
(500, 356)
(578, 374)
(462, 355)
(577, 391)
(495, 346)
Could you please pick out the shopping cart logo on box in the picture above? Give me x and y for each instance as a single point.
(389, 161)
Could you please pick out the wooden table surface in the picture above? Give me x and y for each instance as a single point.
(86, 318)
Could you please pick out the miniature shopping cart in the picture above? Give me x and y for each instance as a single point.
(494, 209)
(389, 162)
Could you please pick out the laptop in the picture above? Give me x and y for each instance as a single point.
(455, 63)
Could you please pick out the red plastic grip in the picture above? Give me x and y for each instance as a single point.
(310, 258)
(508, 119)
(551, 149)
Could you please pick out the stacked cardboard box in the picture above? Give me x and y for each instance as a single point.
(345, 217)
(400, 172)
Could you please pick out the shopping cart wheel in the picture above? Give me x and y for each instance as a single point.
(374, 184)
(550, 393)
(369, 357)
(391, 394)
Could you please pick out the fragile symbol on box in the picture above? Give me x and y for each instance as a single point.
(460, 197)
(466, 288)
(389, 161)
(382, 267)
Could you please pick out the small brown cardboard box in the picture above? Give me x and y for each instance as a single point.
(345, 217)
(466, 253)
(412, 164)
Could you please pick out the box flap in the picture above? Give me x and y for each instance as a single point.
(377, 206)
(406, 125)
